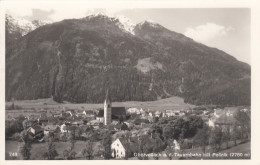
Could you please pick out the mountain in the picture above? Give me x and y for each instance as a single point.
(15, 27)
(77, 59)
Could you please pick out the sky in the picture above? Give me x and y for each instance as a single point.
(227, 29)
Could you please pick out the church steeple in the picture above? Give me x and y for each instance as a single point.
(107, 109)
(107, 98)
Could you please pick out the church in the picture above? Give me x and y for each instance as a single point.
(110, 113)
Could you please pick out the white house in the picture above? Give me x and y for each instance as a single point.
(157, 114)
(151, 114)
(63, 128)
(118, 150)
(142, 111)
(176, 145)
(69, 112)
(133, 110)
(211, 123)
(35, 129)
(100, 119)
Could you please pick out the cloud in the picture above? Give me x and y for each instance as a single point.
(38, 14)
(207, 32)
(56, 11)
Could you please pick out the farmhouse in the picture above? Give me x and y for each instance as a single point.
(64, 128)
(118, 149)
(50, 129)
(35, 131)
(89, 113)
(157, 114)
(133, 111)
(42, 119)
(222, 120)
(121, 147)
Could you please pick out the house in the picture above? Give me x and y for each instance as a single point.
(50, 128)
(118, 149)
(133, 111)
(224, 120)
(89, 113)
(176, 145)
(35, 130)
(70, 113)
(157, 114)
(150, 114)
(64, 128)
(78, 114)
(218, 112)
(57, 115)
(94, 123)
(42, 120)
(140, 121)
(169, 113)
(182, 113)
(122, 146)
(144, 114)
(100, 116)
(163, 114)
(142, 111)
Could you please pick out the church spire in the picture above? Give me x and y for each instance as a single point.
(107, 109)
(107, 98)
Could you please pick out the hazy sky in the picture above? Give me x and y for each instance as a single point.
(226, 29)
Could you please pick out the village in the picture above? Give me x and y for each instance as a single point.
(129, 133)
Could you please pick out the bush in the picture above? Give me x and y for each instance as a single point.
(13, 107)
(16, 137)
(187, 144)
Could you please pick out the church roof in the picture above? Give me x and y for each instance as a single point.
(116, 111)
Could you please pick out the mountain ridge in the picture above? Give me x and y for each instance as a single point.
(76, 59)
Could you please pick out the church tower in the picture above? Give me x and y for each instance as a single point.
(107, 109)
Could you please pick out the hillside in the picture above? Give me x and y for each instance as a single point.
(77, 59)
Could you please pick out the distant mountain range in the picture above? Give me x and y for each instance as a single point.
(18, 27)
(77, 59)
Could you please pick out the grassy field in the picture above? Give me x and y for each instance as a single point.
(39, 148)
(173, 103)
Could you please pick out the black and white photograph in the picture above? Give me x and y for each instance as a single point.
(87, 82)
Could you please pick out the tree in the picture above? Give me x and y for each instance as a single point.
(88, 151)
(169, 151)
(106, 142)
(226, 135)
(216, 138)
(26, 146)
(51, 151)
(243, 119)
(168, 132)
(195, 123)
(25, 124)
(235, 134)
(143, 149)
(121, 119)
(202, 137)
(155, 119)
(157, 147)
(124, 127)
(69, 154)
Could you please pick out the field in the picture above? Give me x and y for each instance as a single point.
(39, 148)
(34, 106)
